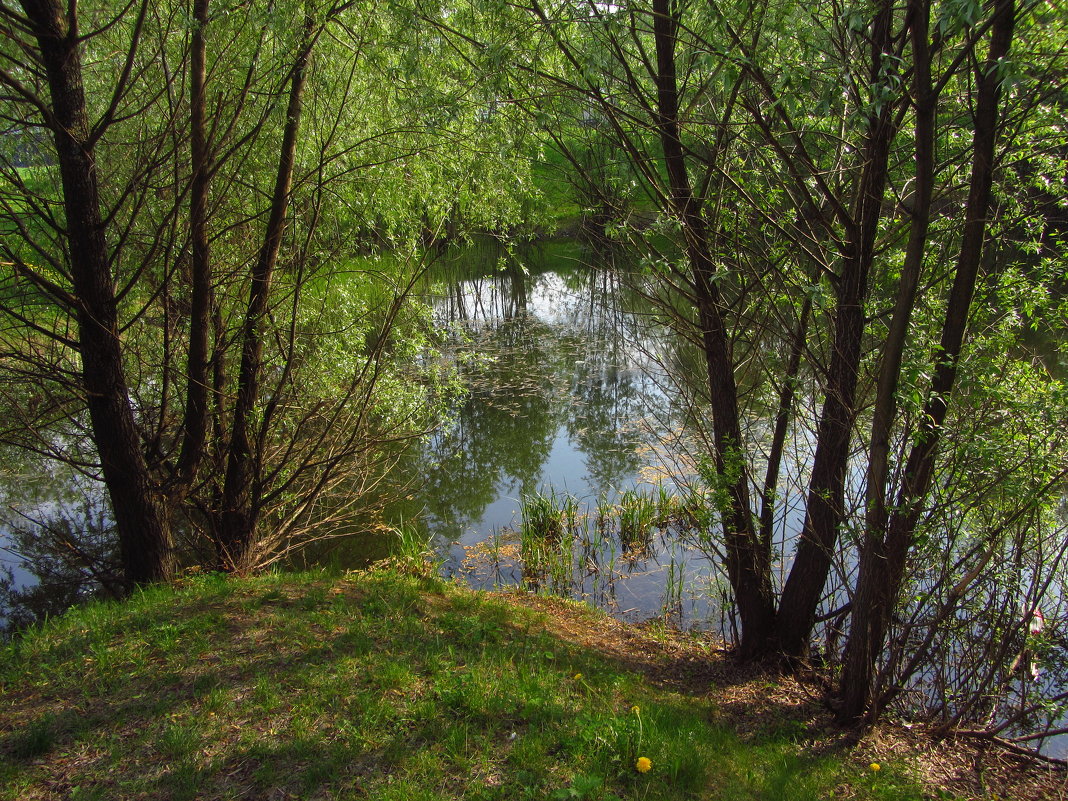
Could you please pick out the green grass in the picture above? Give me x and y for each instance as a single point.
(376, 685)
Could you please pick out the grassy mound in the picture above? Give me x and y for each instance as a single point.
(387, 686)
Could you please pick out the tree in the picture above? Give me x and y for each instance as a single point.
(237, 524)
(889, 538)
(651, 88)
(86, 265)
(259, 377)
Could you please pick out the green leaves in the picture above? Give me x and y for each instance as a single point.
(956, 16)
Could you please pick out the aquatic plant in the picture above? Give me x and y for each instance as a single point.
(637, 517)
(667, 506)
(605, 513)
(673, 587)
(542, 516)
(547, 536)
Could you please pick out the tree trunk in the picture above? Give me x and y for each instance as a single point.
(236, 533)
(197, 386)
(783, 411)
(144, 536)
(871, 608)
(883, 568)
(748, 564)
(824, 508)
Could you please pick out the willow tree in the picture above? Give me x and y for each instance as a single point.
(795, 178)
(69, 260)
(673, 84)
(895, 510)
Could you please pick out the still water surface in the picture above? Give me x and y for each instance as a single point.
(566, 395)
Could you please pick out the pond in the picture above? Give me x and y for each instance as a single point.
(568, 407)
(553, 473)
(566, 401)
(37, 494)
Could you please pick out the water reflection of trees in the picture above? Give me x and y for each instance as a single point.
(502, 431)
(542, 355)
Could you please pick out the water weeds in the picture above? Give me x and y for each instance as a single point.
(547, 539)
(643, 547)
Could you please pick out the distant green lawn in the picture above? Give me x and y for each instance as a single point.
(372, 685)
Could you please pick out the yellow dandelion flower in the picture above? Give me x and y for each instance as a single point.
(644, 765)
(875, 766)
(578, 676)
(636, 709)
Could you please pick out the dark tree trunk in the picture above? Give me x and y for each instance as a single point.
(144, 535)
(236, 534)
(883, 562)
(824, 508)
(748, 564)
(197, 380)
(871, 608)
